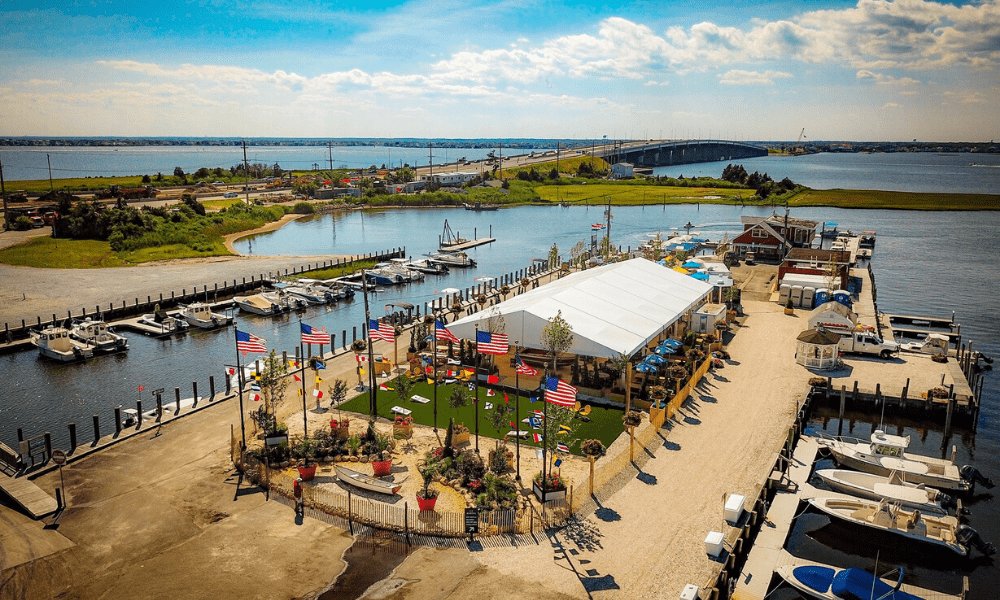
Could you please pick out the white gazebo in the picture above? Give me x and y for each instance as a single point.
(817, 349)
(616, 308)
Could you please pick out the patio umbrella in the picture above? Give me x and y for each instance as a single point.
(671, 342)
(661, 350)
(700, 276)
(646, 368)
(654, 359)
(692, 265)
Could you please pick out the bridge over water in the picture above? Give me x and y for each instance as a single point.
(677, 152)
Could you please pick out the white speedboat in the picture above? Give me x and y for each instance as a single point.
(817, 580)
(887, 453)
(201, 315)
(893, 488)
(403, 266)
(282, 299)
(939, 530)
(97, 335)
(258, 304)
(312, 293)
(425, 266)
(55, 343)
(165, 323)
(451, 259)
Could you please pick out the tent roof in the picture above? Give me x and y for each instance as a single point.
(616, 308)
(819, 338)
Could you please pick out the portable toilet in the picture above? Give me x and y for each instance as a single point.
(843, 297)
(808, 293)
(797, 295)
(783, 293)
(822, 296)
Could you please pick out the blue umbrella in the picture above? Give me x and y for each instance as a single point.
(662, 349)
(693, 265)
(701, 276)
(654, 359)
(646, 368)
(671, 342)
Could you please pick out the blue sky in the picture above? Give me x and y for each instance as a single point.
(865, 70)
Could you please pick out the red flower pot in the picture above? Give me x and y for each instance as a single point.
(307, 473)
(381, 468)
(427, 504)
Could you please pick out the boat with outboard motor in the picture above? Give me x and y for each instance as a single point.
(55, 342)
(268, 303)
(97, 335)
(827, 582)
(165, 323)
(894, 488)
(201, 315)
(942, 531)
(887, 453)
(451, 259)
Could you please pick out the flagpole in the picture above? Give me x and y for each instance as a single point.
(372, 392)
(517, 409)
(476, 378)
(239, 384)
(305, 414)
(545, 437)
(435, 372)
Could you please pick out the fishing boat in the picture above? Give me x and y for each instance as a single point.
(817, 580)
(282, 299)
(55, 343)
(893, 488)
(201, 315)
(829, 231)
(383, 274)
(887, 453)
(942, 531)
(367, 482)
(98, 336)
(165, 323)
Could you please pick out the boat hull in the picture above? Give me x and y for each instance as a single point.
(869, 486)
(937, 474)
(367, 482)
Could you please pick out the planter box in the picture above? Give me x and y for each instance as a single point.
(307, 473)
(426, 504)
(549, 495)
(460, 438)
(381, 468)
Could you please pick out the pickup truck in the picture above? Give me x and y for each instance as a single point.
(863, 342)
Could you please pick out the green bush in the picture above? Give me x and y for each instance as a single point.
(21, 223)
(303, 208)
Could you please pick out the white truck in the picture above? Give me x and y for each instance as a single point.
(866, 342)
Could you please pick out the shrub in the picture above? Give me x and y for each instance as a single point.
(303, 208)
(21, 223)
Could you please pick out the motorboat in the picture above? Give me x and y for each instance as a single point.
(282, 299)
(381, 275)
(313, 293)
(98, 336)
(817, 580)
(887, 453)
(258, 304)
(165, 323)
(893, 488)
(367, 482)
(939, 530)
(201, 315)
(403, 265)
(934, 343)
(867, 239)
(55, 343)
(451, 259)
(425, 266)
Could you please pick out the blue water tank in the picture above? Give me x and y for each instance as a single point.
(822, 296)
(843, 297)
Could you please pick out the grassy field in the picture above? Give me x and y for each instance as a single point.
(566, 165)
(47, 252)
(635, 193)
(605, 424)
(895, 200)
(335, 272)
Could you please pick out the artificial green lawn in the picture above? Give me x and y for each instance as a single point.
(605, 424)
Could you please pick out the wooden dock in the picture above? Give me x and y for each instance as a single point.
(33, 499)
(941, 322)
(465, 245)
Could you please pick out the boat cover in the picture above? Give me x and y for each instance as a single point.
(817, 578)
(856, 584)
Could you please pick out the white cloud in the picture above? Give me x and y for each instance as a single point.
(652, 83)
(890, 105)
(882, 79)
(741, 77)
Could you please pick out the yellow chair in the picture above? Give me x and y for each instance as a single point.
(586, 411)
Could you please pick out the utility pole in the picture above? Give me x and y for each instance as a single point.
(329, 150)
(557, 157)
(430, 160)
(49, 160)
(3, 192)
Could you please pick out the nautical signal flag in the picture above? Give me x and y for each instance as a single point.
(255, 397)
(524, 369)
(491, 343)
(492, 379)
(505, 398)
(441, 332)
(491, 393)
(430, 380)
(318, 380)
(299, 391)
(559, 392)
(533, 400)
(562, 447)
(535, 423)
(538, 414)
(232, 371)
(360, 358)
(317, 393)
(297, 378)
(472, 386)
(557, 462)
(311, 335)
(141, 388)
(255, 386)
(537, 437)
(381, 331)
(361, 371)
(512, 425)
(247, 342)
(563, 429)
(384, 387)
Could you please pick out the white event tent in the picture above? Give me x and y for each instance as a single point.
(616, 308)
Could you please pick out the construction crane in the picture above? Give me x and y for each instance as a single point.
(797, 148)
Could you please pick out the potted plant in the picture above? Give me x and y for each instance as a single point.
(354, 444)
(657, 394)
(307, 453)
(632, 419)
(426, 497)
(555, 487)
(459, 434)
(381, 456)
(592, 449)
(359, 346)
(789, 307)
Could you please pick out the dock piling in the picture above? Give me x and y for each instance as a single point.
(177, 400)
(97, 428)
(159, 407)
(843, 403)
(118, 419)
(48, 445)
(194, 387)
(72, 437)
(138, 409)
(211, 388)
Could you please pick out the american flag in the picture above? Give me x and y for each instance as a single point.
(441, 332)
(311, 335)
(525, 369)
(381, 331)
(559, 392)
(247, 342)
(491, 343)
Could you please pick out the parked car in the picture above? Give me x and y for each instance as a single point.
(218, 183)
(230, 195)
(750, 257)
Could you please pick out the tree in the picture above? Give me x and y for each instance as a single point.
(273, 381)
(146, 179)
(404, 385)
(178, 172)
(276, 170)
(553, 256)
(557, 336)
(202, 173)
(554, 174)
(576, 252)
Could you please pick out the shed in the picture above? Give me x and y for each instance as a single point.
(704, 319)
(622, 169)
(817, 349)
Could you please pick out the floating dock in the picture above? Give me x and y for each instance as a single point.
(33, 499)
(458, 247)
